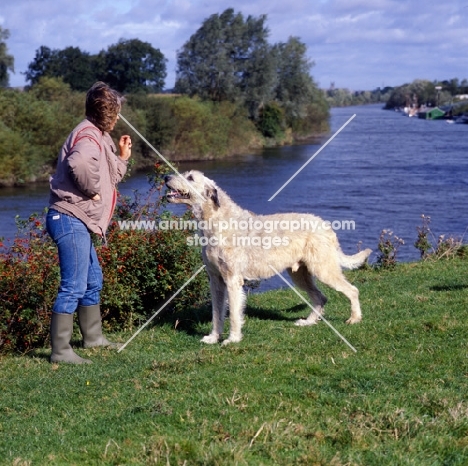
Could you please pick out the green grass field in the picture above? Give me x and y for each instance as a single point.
(285, 395)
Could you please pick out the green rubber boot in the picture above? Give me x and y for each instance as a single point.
(61, 329)
(89, 319)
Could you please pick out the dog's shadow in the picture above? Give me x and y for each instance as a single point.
(454, 287)
(274, 314)
(191, 320)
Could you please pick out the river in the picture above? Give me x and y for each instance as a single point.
(382, 171)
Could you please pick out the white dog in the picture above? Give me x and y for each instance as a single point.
(239, 245)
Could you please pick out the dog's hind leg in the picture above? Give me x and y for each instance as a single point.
(236, 309)
(218, 298)
(305, 281)
(333, 277)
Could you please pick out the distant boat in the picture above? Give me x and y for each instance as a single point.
(463, 119)
(433, 113)
(410, 111)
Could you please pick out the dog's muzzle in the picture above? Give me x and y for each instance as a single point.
(174, 194)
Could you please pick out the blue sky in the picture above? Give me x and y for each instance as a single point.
(356, 44)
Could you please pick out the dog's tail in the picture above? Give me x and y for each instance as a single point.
(355, 261)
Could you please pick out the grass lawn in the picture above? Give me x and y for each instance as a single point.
(285, 395)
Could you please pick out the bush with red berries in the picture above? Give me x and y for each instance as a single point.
(143, 269)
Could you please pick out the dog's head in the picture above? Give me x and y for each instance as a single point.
(191, 188)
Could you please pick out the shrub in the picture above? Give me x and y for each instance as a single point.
(446, 247)
(388, 247)
(142, 269)
(41, 126)
(208, 130)
(145, 266)
(271, 123)
(28, 283)
(15, 155)
(314, 122)
(422, 243)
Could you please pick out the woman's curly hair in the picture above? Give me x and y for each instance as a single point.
(103, 105)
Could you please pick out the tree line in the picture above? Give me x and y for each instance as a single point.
(128, 66)
(229, 58)
(342, 97)
(417, 93)
(422, 92)
(34, 124)
(7, 61)
(228, 61)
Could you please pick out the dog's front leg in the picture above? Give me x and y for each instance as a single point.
(218, 297)
(236, 309)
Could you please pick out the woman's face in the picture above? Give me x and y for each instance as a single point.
(114, 123)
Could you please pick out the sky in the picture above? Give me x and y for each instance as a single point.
(355, 44)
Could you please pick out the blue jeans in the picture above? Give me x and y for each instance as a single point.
(80, 272)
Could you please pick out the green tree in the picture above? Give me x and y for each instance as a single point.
(271, 122)
(340, 97)
(227, 59)
(399, 97)
(464, 86)
(40, 120)
(259, 80)
(419, 92)
(76, 68)
(128, 66)
(40, 65)
(6, 60)
(133, 66)
(295, 87)
(424, 91)
(51, 89)
(154, 118)
(452, 86)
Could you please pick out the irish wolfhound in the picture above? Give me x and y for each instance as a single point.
(239, 245)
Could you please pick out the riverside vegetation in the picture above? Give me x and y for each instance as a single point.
(34, 124)
(234, 92)
(142, 269)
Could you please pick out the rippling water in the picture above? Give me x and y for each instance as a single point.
(382, 171)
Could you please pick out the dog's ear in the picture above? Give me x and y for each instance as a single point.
(212, 193)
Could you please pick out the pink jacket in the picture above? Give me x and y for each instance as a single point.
(87, 165)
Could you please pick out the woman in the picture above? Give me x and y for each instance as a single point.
(82, 200)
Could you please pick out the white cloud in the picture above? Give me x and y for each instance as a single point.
(359, 44)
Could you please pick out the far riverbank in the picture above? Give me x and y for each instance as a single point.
(383, 171)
